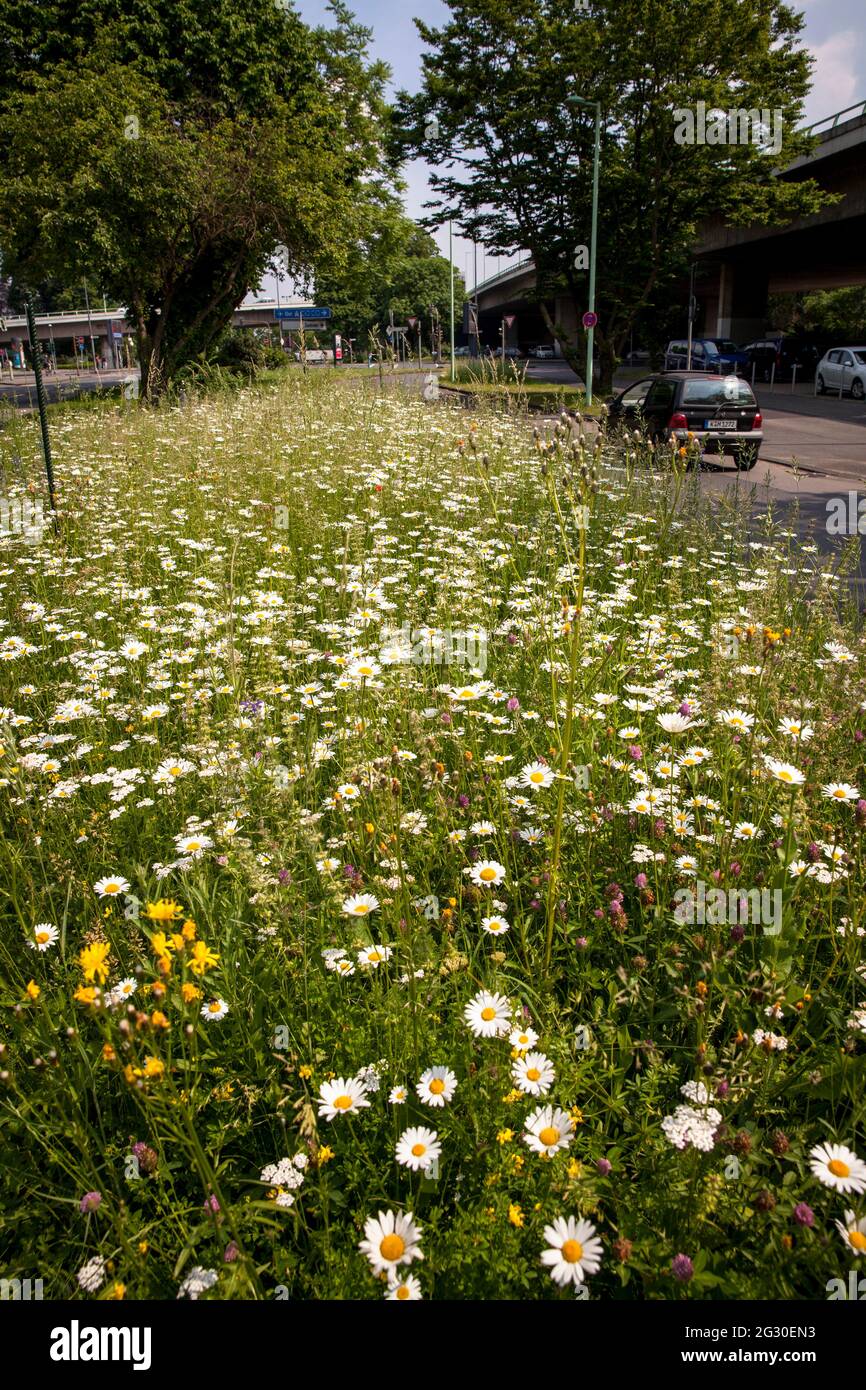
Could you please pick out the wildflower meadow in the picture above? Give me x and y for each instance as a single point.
(432, 864)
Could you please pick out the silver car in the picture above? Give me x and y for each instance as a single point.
(842, 369)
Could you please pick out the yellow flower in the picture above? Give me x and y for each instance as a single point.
(190, 993)
(203, 958)
(161, 944)
(118, 1291)
(159, 1020)
(92, 961)
(143, 1247)
(577, 1114)
(325, 1154)
(573, 1169)
(154, 1067)
(505, 1136)
(511, 1097)
(108, 1053)
(305, 1072)
(85, 994)
(515, 1215)
(33, 990)
(189, 929)
(164, 910)
(518, 1160)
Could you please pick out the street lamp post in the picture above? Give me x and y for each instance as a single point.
(590, 332)
(451, 264)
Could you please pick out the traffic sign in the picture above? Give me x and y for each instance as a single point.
(305, 314)
(412, 322)
(509, 319)
(590, 319)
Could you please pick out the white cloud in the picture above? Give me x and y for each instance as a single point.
(836, 83)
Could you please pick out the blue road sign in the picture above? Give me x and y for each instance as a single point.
(302, 313)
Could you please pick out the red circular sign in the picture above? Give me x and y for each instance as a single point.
(590, 319)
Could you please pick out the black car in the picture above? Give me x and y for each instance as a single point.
(774, 359)
(719, 411)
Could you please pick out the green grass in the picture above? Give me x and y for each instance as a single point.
(209, 697)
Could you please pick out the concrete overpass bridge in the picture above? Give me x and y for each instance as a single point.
(110, 331)
(737, 267)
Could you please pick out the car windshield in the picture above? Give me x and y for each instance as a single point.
(860, 355)
(727, 390)
(724, 345)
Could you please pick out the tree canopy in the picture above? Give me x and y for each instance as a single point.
(512, 151)
(166, 148)
(392, 266)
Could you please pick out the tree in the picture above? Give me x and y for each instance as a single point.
(392, 267)
(166, 148)
(512, 153)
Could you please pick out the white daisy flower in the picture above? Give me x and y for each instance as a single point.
(437, 1086)
(488, 1015)
(853, 1232)
(44, 937)
(534, 1074)
(839, 1167)
(390, 1240)
(341, 1097)
(573, 1250)
(548, 1130)
(214, 1010)
(360, 905)
(487, 873)
(111, 886)
(418, 1148)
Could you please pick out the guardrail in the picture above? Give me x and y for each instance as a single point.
(832, 121)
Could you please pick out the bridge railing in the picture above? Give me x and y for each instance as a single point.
(831, 122)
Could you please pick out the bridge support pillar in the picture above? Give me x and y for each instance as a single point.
(735, 302)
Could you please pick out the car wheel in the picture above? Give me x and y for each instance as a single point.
(857, 389)
(745, 457)
(819, 385)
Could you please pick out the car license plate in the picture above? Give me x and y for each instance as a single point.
(720, 425)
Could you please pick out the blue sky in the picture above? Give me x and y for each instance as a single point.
(835, 33)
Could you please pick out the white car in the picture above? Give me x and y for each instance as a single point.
(845, 368)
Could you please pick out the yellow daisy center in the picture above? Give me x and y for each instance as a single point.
(43, 936)
(536, 776)
(343, 1103)
(549, 1136)
(374, 956)
(571, 1250)
(419, 1149)
(839, 794)
(487, 1014)
(857, 1239)
(403, 1292)
(360, 909)
(533, 1074)
(838, 1168)
(392, 1247)
(487, 874)
(437, 1086)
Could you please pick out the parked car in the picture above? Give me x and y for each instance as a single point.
(511, 353)
(541, 352)
(462, 352)
(708, 355)
(774, 358)
(721, 412)
(316, 357)
(845, 367)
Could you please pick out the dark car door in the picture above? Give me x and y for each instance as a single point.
(658, 405)
(628, 403)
